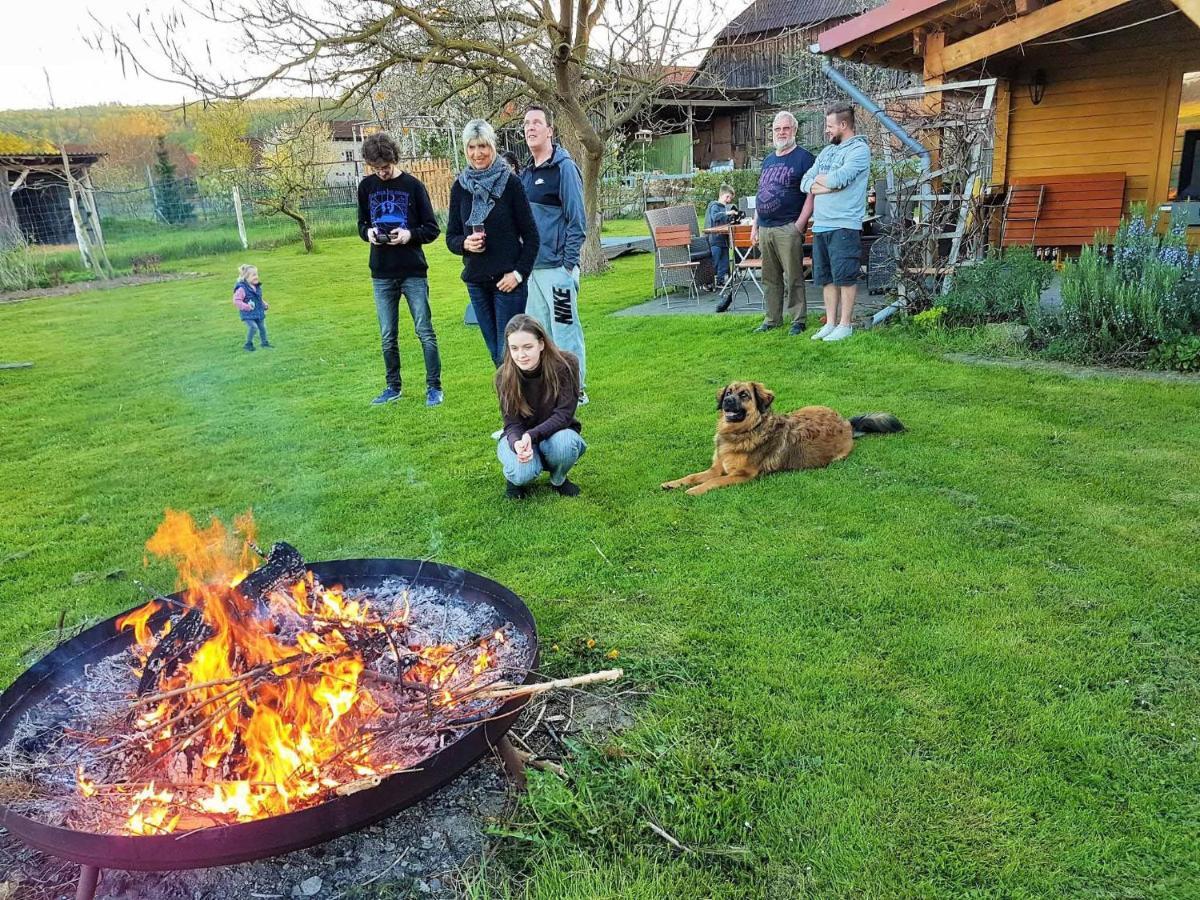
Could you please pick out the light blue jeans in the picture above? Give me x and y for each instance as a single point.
(554, 301)
(556, 454)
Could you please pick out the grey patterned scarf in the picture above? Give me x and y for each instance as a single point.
(485, 187)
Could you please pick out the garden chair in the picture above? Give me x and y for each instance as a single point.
(699, 248)
(747, 267)
(673, 265)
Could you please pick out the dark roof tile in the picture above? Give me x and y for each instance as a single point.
(772, 15)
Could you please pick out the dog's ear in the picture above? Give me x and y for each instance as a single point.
(721, 396)
(763, 396)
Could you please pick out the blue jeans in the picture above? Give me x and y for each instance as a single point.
(493, 309)
(720, 258)
(556, 454)
(554, 301)
(253, 325)
(387, 308)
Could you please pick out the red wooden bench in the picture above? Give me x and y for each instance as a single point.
(1062, 210)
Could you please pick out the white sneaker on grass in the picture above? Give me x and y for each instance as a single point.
(824, 332)
(840, 333)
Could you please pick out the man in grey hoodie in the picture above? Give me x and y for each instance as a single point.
(555, 192)
(837, 200)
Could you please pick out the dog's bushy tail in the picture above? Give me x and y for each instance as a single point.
(875, 423)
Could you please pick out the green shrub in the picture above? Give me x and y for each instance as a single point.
(1118, 307)
(1000, 288)
(706, 185)
(1182, 354)
(930, 318)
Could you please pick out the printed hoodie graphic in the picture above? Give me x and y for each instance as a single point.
(389, 209)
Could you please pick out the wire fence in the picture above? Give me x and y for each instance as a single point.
(142, 228)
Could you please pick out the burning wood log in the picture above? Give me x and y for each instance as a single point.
(284, 567)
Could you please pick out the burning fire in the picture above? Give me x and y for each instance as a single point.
(269, 701)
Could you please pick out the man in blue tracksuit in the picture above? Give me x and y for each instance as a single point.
(555, 191)
(837, 201)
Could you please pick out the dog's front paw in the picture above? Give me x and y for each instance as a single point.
(698, 490)
(670, 485)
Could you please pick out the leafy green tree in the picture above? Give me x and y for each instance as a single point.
(171, 196)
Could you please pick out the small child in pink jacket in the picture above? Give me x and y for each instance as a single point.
(252, 308)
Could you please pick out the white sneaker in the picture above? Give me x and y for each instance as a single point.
(840, 333)
(496, 435)
(826, 329)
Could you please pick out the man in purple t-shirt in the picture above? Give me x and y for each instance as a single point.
(777, 227)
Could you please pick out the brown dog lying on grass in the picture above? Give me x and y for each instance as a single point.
(751, 440)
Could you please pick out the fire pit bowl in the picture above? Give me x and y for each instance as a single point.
(233, 843)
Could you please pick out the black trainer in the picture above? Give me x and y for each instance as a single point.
(248, 347)
(567, 489)
(798, 326)
(724, 305)
(764, 327)
(515, 491)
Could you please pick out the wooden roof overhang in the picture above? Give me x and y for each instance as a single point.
(978, 34)
(47, 162)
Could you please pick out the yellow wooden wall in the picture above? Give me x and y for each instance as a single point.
(1110, 109)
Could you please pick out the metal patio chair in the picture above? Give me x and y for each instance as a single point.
(673, 265)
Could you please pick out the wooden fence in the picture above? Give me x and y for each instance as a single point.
(437, 175)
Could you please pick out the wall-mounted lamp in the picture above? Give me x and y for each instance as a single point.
(1037, 87)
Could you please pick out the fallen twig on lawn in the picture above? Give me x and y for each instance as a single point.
(666, 837)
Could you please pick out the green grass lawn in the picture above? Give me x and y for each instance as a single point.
(962, 662)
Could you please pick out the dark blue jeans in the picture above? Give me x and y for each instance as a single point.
(387, 308)
(720, 258)
(493, 309)
(258, 325)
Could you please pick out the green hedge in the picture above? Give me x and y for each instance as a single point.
(705, 186)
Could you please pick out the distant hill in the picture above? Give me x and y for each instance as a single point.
(128, 135)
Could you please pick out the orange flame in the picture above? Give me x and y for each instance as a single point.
(263, 744)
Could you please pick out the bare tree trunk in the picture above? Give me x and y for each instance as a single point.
(592, 258)
(305, 231)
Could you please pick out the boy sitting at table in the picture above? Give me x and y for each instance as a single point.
(721, 212)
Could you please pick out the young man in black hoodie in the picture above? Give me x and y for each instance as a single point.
(396, 218)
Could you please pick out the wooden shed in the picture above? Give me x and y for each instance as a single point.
(1089, 90)
(35, 203)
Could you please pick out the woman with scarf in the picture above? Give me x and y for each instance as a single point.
(491, 226)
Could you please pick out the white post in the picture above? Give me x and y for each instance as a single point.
(78, 229)
(241, 223)
(154, 195)
(76, 219)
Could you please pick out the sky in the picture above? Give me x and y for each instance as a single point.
(37, 45)
(79, 76)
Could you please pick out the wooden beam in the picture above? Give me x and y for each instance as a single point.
(935, 43)
(1191, 9)
(1015, 32)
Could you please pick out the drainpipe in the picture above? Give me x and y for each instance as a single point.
(891, 125)
(874, 109)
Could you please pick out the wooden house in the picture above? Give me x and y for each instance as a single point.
(1097, 103)
(764, 50)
